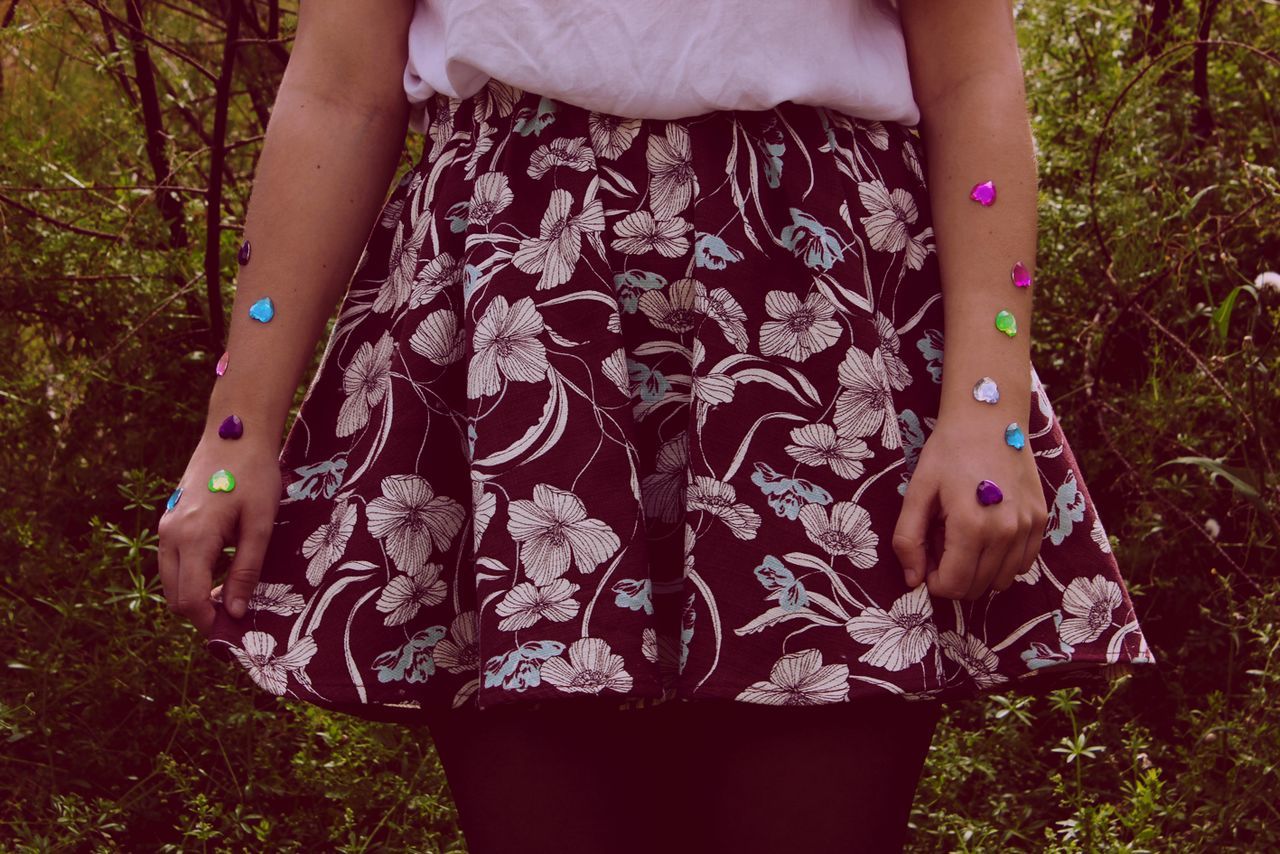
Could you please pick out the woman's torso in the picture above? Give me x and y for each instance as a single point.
(667, 59)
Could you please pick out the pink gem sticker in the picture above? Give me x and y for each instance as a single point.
(984, 193)
(1021, 275)
(221, 367)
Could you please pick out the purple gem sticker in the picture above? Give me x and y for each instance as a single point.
(1021, 275)
(231, 427)
(984, 194)
(242, 257)
(989, 493)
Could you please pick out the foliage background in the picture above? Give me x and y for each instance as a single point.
(130, 130)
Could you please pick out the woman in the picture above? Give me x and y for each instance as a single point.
(632, 435)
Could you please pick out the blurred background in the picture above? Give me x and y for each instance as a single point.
(129, 130)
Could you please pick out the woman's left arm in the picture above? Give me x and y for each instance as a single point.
(966, 74)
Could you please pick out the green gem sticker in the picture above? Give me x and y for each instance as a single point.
(1006, 323)
(222, 481)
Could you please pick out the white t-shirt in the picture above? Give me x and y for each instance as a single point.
(666, 59)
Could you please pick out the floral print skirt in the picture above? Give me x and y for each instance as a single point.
(625, 409)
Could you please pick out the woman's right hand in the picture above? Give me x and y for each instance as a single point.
(194, 532)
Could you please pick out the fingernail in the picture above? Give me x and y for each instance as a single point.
(237, 607)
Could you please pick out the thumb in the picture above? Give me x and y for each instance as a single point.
(246, 566)
(910, 535)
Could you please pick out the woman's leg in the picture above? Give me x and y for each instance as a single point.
(565, 778)
(817, 779)
(696, 777)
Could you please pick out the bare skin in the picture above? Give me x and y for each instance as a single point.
(331, 150)
(966, 74)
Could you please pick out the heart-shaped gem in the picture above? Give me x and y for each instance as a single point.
(231, 427)
(173, 500)
(1006, 323)
(1021, 275)
(989, 493)
(222, 481)
(985, 391)
(984, 193)
(262, 310)
(1014, 437)
(221, 367)
(242, 257)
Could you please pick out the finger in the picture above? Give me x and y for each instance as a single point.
(1036, 538)
(910, 536)
(1015, 558)
(246, 566)
(196, 558)
(957, 564)
(998, 541)
(167, 560)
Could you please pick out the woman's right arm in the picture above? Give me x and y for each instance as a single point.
(332, 145)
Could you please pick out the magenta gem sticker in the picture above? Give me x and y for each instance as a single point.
(1021, 275)
(989, 493)
(221, 367)
(984, 193)
(231, 427)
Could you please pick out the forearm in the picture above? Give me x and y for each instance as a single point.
(981, 132)
(321, 180)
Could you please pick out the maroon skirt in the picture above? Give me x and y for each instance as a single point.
(625, 409)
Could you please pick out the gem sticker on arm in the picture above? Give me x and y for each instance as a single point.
(989, 493)
(984, 193)
(173, 500)
(1014, 437)
(1006, 323)
(985, 391)
(262, 310)
(222, 481)
(1021, 275)
(242, 257)
(231, 427)
(221, 367)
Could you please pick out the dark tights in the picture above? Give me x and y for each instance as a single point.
(701, 777)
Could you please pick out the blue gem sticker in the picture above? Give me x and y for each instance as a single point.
(262, 310)
(173, 500)
(1014, 437)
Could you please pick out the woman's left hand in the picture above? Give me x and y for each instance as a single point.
(980, 546)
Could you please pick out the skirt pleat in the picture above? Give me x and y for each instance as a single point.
(625, 410)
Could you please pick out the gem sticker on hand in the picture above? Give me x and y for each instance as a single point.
(1014, 437)
(231, 427)
(1006, 323)
(221, 367)
(242, 257)
(985, 391)
(989, 493)
(1021, 275)
(262, 310)
(173, 500)
(222, 481)
(984, 193)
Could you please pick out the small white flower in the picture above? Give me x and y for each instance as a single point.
(407, 594)
(846, 532)
(798, 330)
(526, 604)
(800, 679)
(1268, 281)
(592, 668)
(326, 544)
(1090, 602)
(554, 529)
(901, 636)
(268, 670)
